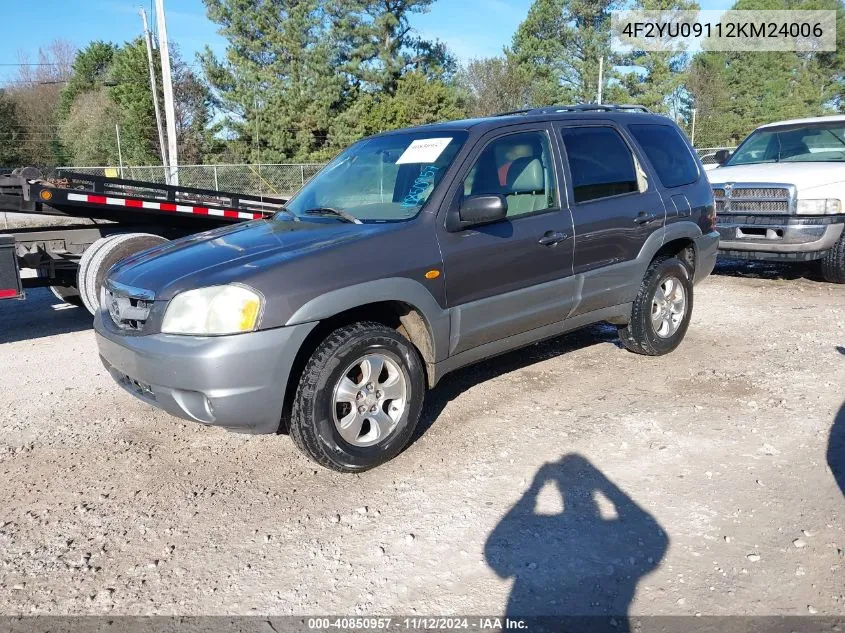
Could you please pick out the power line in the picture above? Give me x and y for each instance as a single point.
(34, 64)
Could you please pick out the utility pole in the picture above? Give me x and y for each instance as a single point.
(692, 134)
(119, 151)
(154, 85)
(167, 82)
(601, 77)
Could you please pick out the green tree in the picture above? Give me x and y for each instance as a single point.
(114, 82)
(89, 71)
(560, 43)
(88, 130)
(656, 78)
(418, 100)
(195, 133)
(36, 93)
(277, 86)
(129, 90)
(376, 45)
(495, 84)
(299, 75)
(11, 133)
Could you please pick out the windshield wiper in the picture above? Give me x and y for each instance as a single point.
(284, 210)
(339, 213)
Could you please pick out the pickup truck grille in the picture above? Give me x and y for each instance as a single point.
(129, 308)
(753, 198)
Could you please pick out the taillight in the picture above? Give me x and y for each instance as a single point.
(711, 216)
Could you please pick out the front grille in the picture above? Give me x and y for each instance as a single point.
(760, 192)
(129, 308)
(754, 198)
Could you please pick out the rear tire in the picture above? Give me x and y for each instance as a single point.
(833, 262)
(661, 313)
(358, 432)
(112, 250)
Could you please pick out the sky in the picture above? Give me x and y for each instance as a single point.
(471, 28)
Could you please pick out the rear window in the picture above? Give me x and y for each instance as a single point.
(668, 153)
(600, 162)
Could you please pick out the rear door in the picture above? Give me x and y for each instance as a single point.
(615, 208)
(671, 158)
(506, 278)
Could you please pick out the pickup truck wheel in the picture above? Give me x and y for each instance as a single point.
(359, 398)
(833, 262)
(661, 312)
(115, 248)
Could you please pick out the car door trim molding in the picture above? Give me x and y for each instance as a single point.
(618, 313)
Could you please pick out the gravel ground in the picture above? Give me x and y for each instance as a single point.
(569, 477)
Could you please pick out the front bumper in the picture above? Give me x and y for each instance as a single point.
(237, 382)
(778, 237)
(706, 250)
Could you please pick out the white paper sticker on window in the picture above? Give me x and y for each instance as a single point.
(424, 151)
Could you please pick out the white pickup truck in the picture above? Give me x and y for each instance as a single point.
(781, 194)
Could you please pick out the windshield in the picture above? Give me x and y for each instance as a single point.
(816, 143)
(380, 179)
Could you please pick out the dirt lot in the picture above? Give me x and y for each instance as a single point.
(693, 483)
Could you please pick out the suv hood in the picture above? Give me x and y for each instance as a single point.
(231, 254)
(802, 175)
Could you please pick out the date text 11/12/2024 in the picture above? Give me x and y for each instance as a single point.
(417, 623)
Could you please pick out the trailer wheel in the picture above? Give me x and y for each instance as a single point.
(114, 248)
(68, 294)
(84, 263)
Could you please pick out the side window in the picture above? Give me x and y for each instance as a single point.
(600, 162)
(668, 153)
(519, 167)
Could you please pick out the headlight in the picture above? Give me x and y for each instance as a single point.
(213, 310)
(829, 206)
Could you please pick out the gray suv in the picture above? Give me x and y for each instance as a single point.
(411, 254)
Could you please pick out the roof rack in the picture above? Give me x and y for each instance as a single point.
(589, 107)
(512, 112)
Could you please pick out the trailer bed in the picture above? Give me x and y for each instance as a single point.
(53, 256)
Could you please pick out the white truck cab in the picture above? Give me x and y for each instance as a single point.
(781, 194)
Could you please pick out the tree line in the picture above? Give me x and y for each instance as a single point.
(301, 79)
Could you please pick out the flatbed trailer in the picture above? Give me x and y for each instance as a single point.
(106, 220)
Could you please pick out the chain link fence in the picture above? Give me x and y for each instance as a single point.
(280, 180)
(276, 180)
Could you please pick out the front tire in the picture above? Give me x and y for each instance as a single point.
(661, 313)
(833, 262)
(359, 398)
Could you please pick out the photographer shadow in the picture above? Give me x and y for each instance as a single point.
(836, 449)
(584, 560)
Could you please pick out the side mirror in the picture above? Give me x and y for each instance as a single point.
(479, 210)
(722, 156)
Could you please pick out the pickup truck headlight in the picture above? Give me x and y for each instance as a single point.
(213, 310)
(828, 206)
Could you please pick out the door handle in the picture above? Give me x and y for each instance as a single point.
(645, 218)
(550, 238)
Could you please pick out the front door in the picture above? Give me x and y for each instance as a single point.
(509, 277)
